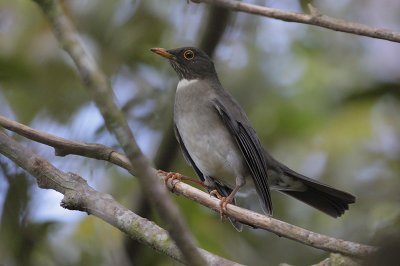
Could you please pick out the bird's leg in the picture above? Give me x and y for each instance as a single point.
(226, 200)
(177, 176)
(216, 194)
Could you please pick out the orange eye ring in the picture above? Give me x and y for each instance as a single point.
(188, 54)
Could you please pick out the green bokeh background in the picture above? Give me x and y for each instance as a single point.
(324, 103)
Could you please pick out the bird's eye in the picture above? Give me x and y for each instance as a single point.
(188, 55)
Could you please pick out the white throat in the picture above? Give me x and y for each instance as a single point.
(184, 83)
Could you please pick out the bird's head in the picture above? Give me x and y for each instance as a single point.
(189, 62)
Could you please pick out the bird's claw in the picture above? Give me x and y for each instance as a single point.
(170, 176)
(216, 194)
(224, 201)
(222, 204)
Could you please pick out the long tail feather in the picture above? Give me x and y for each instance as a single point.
(327, 199)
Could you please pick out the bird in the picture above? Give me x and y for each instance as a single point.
(219, 142)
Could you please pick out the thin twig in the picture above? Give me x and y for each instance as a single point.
(253, 219)
(100, 89)
(315, 18)
(78, 195)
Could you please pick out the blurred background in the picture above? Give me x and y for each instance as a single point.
(324, 103)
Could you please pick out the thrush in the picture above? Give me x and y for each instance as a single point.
(218, 141)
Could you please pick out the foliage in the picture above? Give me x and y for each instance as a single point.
(325, 103)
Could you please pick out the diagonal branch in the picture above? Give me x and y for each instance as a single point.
(100, 89)
(253, 219)
(78, 195)
(65, 147)
(315, 18)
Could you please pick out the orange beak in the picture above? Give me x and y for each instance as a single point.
(163, 52)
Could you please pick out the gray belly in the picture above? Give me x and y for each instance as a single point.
(211, 146)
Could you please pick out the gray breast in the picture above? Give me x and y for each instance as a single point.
(206, 138)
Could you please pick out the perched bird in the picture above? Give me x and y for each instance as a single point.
(218, 141)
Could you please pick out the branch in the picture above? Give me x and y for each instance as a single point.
(315, 18)
(168, 148)
(253, 219)
(98, 86)
(78, 195)
(63, 147)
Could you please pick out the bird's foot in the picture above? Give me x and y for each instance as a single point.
(216, 194)
(170, 176)
(177, 176)
(224, 201)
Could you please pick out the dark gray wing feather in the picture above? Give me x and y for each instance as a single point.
(252, 151)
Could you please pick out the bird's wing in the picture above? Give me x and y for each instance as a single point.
(251, 149)
(187, 155)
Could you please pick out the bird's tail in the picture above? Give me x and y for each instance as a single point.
(327, 199)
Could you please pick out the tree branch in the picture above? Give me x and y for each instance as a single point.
(98, 86)
(315, 18)
(168, 149)
(78, 195)
(253, 219)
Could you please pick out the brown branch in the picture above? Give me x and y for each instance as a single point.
(315, 18)
(98, 86)
(63, 147)
(78, 195)
(253, 219)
